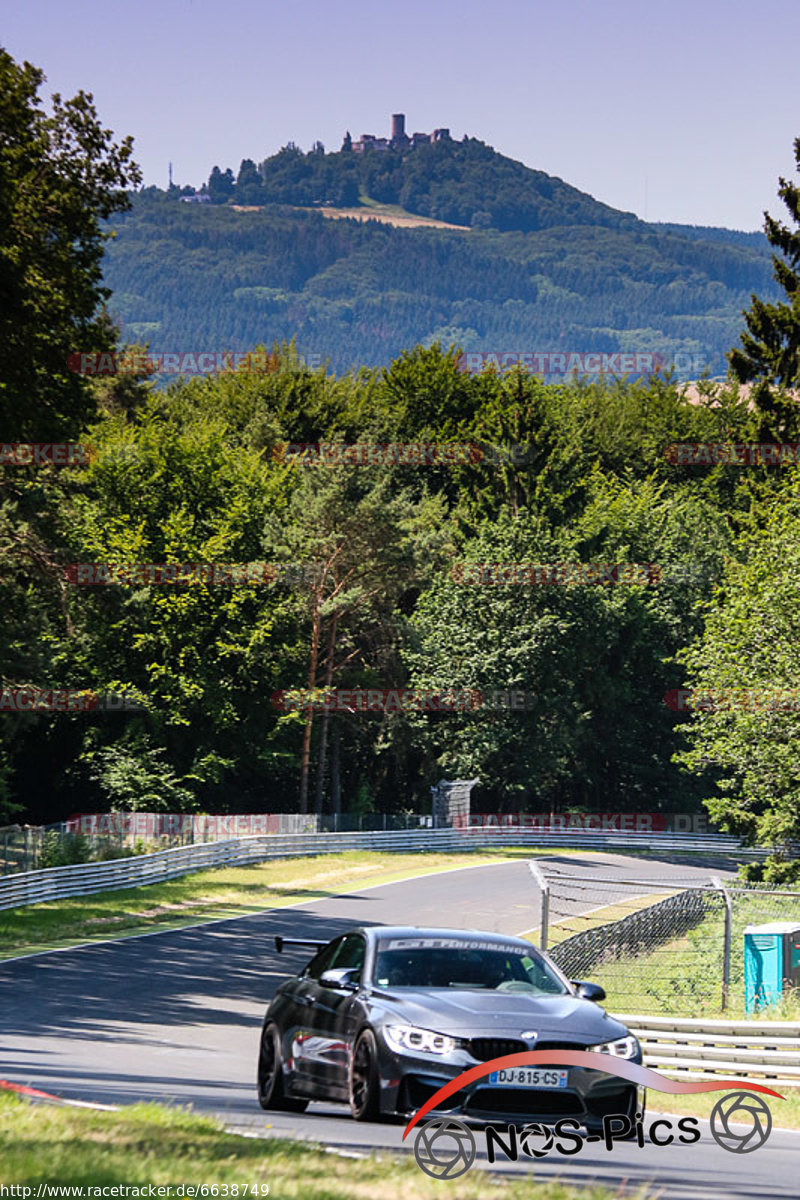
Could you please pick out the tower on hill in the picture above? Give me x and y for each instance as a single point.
(399, 139)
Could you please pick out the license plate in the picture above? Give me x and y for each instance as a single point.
(529, 1077)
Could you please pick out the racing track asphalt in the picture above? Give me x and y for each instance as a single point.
(175, 1017)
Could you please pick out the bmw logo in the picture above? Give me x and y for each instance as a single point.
(529, 1034)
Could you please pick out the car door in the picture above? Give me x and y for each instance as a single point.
(335, 1018)
(302, 1039)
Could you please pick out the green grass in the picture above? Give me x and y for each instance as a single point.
(683, 977)
(149, 1144)
(785, 1113)
(226, 892)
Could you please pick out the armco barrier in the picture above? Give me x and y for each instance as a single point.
(768, 1051)
(55, 883)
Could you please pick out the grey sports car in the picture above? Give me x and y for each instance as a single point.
(383, 1016)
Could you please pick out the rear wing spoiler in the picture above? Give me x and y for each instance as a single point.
(280, 942)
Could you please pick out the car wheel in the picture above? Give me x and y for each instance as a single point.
(364, 1081)
(270, 1075)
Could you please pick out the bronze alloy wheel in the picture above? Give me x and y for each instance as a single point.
(270, 1075)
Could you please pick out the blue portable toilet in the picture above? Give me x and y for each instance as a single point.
(771, 962)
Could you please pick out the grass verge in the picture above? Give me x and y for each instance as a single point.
(785, 1113)
(225, 892)
(683, 977)
(149, 1144)
(567, 927)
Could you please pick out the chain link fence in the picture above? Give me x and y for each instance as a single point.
(34, 847)
(15, 851)
(672, 948)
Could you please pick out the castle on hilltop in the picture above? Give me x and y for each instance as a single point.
(398, 141)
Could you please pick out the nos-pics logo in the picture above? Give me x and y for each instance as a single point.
(445, 1147)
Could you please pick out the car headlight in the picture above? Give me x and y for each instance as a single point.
(420, 1041)
(626, 1047)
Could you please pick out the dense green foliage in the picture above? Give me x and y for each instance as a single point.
(189, 476)
(60, 175)
(750, 641)
(195, 474)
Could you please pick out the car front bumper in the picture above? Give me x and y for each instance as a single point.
(408, 1082)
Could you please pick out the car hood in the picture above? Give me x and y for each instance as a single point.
(498, 1014)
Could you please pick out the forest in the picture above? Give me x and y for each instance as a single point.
(352, 294)
(198, 473)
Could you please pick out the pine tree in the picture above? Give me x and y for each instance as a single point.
(770, 352)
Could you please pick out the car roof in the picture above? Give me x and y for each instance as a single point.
(383, 932)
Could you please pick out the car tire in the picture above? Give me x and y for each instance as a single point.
(364, 1080)
(271, 1094)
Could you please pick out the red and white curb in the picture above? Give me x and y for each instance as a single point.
(34, 1094)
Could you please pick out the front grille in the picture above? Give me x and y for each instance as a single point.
(525, 1102)
(543, 1045)
(484, 1048)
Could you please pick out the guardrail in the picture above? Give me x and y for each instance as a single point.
(767, 1051)
(678, 843)
(55, 883)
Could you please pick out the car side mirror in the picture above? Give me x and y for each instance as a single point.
(588, 991)
(343, 979)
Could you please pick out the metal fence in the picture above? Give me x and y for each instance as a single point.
(636, 934)
(13, 850)
(768, 1051)
(660, 947)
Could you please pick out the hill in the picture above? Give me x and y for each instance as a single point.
(201, 277)
(462, 183)
(540, 267)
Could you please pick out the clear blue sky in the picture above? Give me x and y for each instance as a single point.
(677, 110)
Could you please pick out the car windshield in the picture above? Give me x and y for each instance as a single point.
(403, 962)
